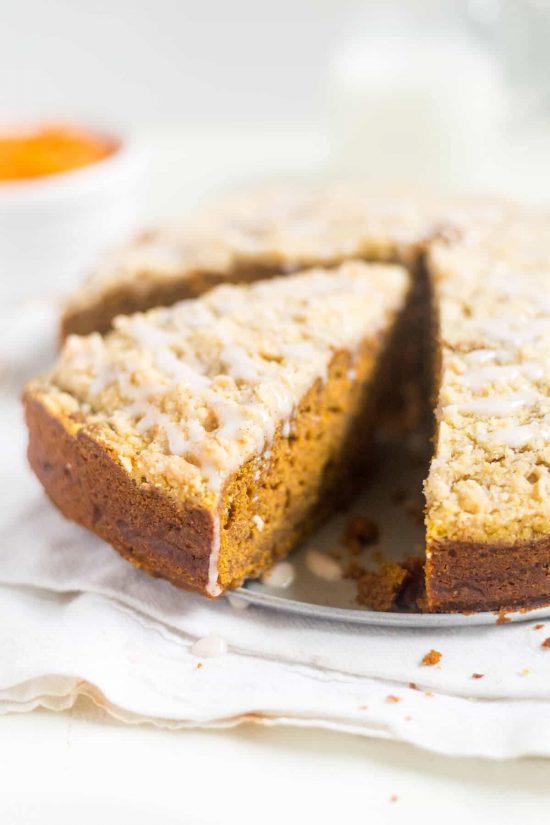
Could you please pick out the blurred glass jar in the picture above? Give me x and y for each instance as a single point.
(415, 99)
(518, 32)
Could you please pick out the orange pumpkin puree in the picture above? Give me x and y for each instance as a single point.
(48, 150)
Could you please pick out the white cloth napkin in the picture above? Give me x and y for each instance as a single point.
(77, 619)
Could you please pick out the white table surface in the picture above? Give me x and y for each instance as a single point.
(70, 767)
(81, 767)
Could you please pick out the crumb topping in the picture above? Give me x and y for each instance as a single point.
(490, 477)
(283, 227)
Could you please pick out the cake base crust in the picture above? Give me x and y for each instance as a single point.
(467, 576)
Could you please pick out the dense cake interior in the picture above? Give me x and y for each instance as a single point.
(314, 466)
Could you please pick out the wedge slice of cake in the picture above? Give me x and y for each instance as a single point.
(488, 490)
(205, 440)
(267, 231)
(250, 236)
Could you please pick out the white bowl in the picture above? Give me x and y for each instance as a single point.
(52, 228)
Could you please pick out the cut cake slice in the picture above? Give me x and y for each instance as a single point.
(488, 490)
(205, 440)
(267, 231)
(250, 236)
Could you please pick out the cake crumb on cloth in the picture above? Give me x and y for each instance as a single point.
(431, 658)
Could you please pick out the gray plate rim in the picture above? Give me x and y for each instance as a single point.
(281, 604)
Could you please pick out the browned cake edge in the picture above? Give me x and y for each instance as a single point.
(97, 315)
(89, 487)
(468, 576)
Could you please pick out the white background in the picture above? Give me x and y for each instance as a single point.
(226, 69)
(151, 62)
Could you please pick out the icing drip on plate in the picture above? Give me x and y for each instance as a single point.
(209, 647)
(280, 576)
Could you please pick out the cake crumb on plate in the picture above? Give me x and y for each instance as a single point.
(359, 533)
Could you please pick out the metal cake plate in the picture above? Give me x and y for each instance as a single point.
(257, 595)
(395, 504)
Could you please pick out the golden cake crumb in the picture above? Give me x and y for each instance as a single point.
(354, 570)
(502, 618)
(431, 658)
(359, 533)
(380, 590)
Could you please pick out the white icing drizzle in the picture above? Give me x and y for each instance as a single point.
(177, 443)
(179, 371)
(213, 588)
(240, 365)
(300, 351)
(515, 437)
(500, 374)
(258, 522)
(485, 356)
(497, 406)
(506, 329)
(280, 576)
(209, 647)
(323, 566)
(237, 603)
